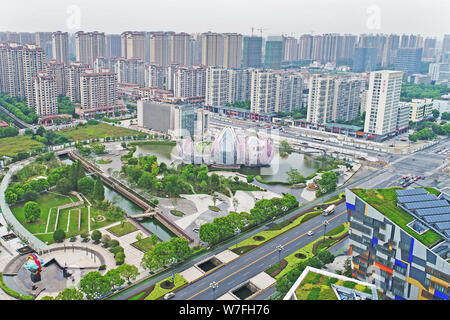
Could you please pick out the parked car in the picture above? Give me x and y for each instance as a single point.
(195, 230)
(404, 185)
(169, 295)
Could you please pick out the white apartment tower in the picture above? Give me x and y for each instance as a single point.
(45, 90)
(217, 86)
(133, 45)
(232, 46)
(189, 82)
(212, 49)
(60, 47)
(89, 46)
(74, 72)
(321, 99)
(382, 103)
(59, 70)
(154, 76)
(33, 62)
(130, 71)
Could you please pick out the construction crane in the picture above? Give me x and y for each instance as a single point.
(261, 30)
(252, 30)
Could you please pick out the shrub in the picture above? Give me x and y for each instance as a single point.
(120, 258)
(155, 201)
(105, 240)
(115, 250)
(113, 243)
(102, 267)
(59, 235)
(96, 236)
(73, 238)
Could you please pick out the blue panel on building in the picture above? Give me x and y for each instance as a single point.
(411, 250)
(401, 264)
(440, 295)
(399, 298)
(360, 206)
(350, 206)
(374, 242)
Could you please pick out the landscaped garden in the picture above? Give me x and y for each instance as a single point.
(96, 131)
(171, 284)
(11, 146)
(122, 228)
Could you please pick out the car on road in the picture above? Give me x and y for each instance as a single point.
(169, 295)
(195, 230)
(404, 185)
(310, 233)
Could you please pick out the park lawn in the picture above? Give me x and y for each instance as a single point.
(159, 292)
(45, 202)
(145, 244)
(120, 231)
(307, 251)
(432, 191)
(11, 146)
(270, 234)
(62, 220)
(99, 224)
(385, 202)
(73, 224)
(84, 219)
(52, 221)
(48, 237)
(335, 198)
(101, 130)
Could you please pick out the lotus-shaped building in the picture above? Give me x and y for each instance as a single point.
(228, 149)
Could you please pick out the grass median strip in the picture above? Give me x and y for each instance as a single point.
(159, 292)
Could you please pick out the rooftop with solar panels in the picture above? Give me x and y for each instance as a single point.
(424, 213)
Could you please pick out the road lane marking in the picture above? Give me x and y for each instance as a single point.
(266, 255)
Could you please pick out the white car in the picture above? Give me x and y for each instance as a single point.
(310, 233)
(169, 295)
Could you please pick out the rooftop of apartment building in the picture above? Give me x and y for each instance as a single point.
(316, 284)
(424, 213)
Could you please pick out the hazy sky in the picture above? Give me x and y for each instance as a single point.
(291, 17)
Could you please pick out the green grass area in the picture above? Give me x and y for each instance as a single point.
(270, 234)
(46, 238)
(153, 142)
(63, 218)
(159, 292)
(45, 202)
(73, 224)
(136, 297)
(335, 231)
(177, 213)
(432, 190)
(120, 231)
(214, 208)
(145, 244)
(335, 198)
(52, 221)
(101, 130)
(11, 146)
(307, 252)
(101, 161)
(385, 201)
(84, 219)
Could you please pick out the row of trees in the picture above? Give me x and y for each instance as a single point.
(19, 108)
(427, 130)
(163, 253)
(8, 132)
(223, 228)
(95, 285)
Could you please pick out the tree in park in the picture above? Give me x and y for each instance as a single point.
(120, 258)
(114, 277)
(283, 285)
(70, 294)
(30, 195)
(250, 178)
(94, 285)
(129, 272)
(59, 235)
(63, 186)
(164, 251)
(86, 185)
(328, 182)
(10, 197)
(209, 233)
(294, 176)
(105, 240)
(96, 236)
(150, 262)
(154, 239)
(155, 168)
(181, 248)
(99, 190)
(32, 211)
(325, 256)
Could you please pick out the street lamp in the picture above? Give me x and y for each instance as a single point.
(172, 262)
(236, 232)
(279, 248)
(325, 223)
(213, 285)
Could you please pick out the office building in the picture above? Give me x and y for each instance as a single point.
(46, 99)
(383, 97)
(364, 59)
(252, 52)
(60, 46)
(408, 60)
(392, 241)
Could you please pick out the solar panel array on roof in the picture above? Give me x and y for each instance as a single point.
(446, 197)
(443, 225)
(447, 232)
(435, 219)
(417, 198)
(432, 211)
(426, 204)
(410, 192)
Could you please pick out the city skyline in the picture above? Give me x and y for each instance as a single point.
(283, 17)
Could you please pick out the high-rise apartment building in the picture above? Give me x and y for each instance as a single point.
(11, 69)
(290, 49)
(102, 63)
(155, 76)
(59, 71)
(382, 103)
(252, 52)
(45, 91)
(159, 48)
(190, 82)
(133, 44)
(130, 71)
(60, 46)
(321, 99)
(89, 46)
(217, 86)
(232, 46)
(44, 41)
(347, 99)
(98, 89)
(390, 50)
(305, 45)
(364, 59)
(439, 72)
(212, 49)
(113, 45)
(180, 49)
(274, 52)
(74, 72)
(33, 62)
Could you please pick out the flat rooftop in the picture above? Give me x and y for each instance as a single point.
(422, 212)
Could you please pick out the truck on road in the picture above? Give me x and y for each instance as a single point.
(329, 210)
